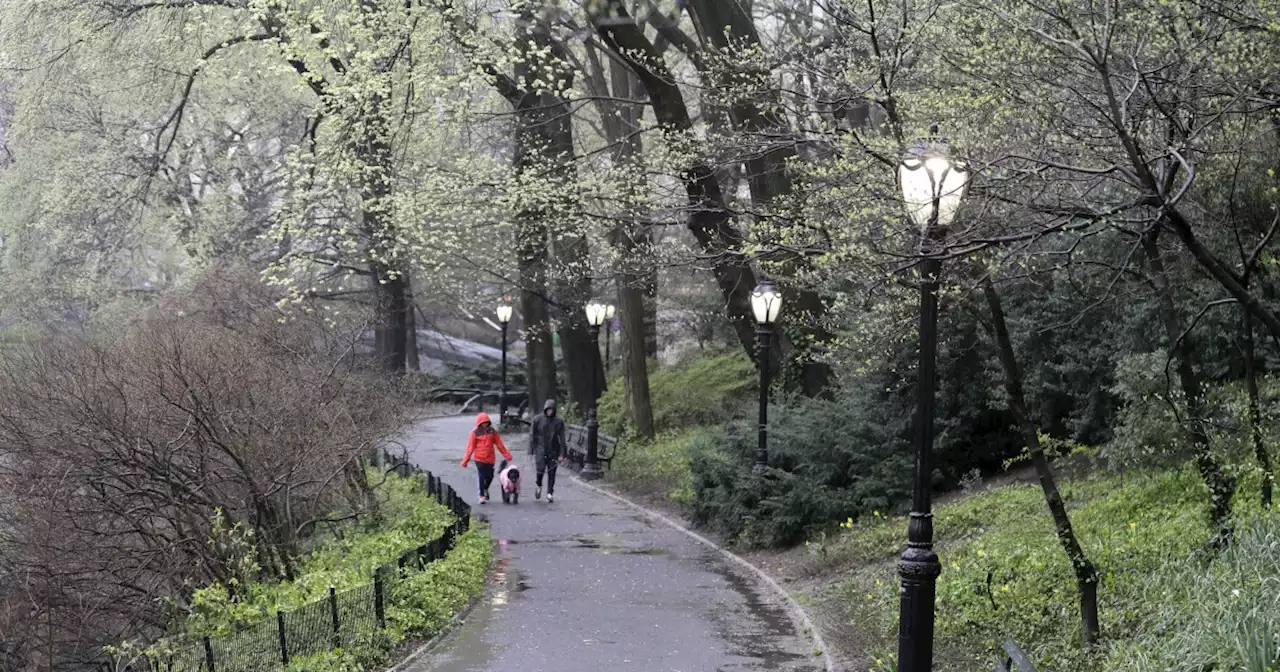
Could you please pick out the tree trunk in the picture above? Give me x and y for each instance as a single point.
(1086, 573)
(412, 360)
(730, 30)
(540, 354)
(583, 366)
(390, 332)
(629, 236)
(544, 148)
(374, 156)
(635, 369)
(1222, 486)
(651, 312)
(708, 219)
(1255, 407)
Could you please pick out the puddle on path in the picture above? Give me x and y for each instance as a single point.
(765, 633)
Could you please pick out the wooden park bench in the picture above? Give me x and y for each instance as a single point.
(575, 438)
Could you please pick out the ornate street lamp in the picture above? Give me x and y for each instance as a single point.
(933, 186)
(766, 304)
(504, 318)
(609, 311)
(591, 467)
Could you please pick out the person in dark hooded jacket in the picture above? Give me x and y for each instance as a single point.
(546, 444)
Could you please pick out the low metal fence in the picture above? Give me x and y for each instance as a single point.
(347, 618)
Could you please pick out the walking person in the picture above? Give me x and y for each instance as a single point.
(481, 447)
(546, 444)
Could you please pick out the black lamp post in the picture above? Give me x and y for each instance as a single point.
(591, 467)
(504, 318)
(932, 187)
(766, 303)
(609, 311)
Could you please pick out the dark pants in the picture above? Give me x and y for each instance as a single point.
(485, 474)
(547, 465)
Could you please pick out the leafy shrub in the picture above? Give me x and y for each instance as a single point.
(829, 461)
(410, 518)
(662, 467)
(424, 602)
(702, 392)
(420, 605)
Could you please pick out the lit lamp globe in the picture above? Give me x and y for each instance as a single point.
(933, 185)
(504, 313)
(609, 311)
(596, 313)
(766, 303)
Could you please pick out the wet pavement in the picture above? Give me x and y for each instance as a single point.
(588, 585)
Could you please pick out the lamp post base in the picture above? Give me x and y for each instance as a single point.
(758, 468)
(591, 472)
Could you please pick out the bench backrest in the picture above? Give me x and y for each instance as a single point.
(575, 439)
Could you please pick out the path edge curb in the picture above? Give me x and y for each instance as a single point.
(795, 610)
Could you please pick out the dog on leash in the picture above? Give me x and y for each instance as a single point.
(509, 480)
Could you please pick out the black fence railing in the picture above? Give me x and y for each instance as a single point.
(348, 618)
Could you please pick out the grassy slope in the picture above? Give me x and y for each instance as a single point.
(1164, 604)
(1144, 530)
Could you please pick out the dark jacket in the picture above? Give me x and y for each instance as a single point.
(547, 435)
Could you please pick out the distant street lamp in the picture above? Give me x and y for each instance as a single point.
(608, 329)
(933, 186)
(591, 467)
(766, 303)
(504, 317)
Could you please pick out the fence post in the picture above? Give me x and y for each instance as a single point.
(431, 484)
(333, 609)
(284, 646)
(379, 607)
(208, 653)
(440, 492)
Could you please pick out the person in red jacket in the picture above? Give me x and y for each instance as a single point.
(480, 447)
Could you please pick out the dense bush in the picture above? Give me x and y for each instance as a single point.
(699, 392)
(829, 461)
(210, 439)
(661, 468)
(408, 517)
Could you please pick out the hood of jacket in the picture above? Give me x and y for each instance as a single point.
(481, 418)
(549, 406)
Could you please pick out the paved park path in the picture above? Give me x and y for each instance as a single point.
(589, 585)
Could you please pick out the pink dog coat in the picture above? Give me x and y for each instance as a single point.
(510, 485)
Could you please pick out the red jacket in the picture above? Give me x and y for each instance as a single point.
(484, 438)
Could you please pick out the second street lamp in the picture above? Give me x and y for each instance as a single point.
(591, 466)
(766, 303)
(932, 187)
(608, 329)
(504, 318)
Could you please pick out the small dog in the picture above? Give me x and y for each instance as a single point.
(509, 479)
